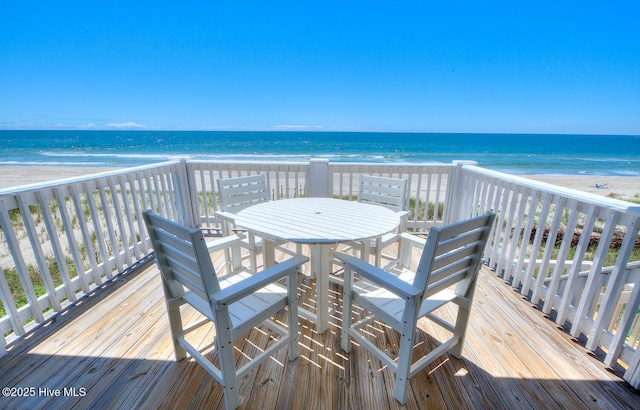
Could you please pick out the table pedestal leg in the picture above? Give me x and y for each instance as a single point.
(321, 256)
(268, 253)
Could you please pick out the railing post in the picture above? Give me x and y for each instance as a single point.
(319, 179)
(455, 192)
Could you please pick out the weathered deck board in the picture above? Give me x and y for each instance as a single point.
(116, 346)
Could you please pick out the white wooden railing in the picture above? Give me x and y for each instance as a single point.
(74, 235)
(60, 241)
(428, 185)
(568, 252)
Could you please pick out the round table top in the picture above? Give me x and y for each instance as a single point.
(317, 220)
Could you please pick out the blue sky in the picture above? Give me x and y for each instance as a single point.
(532, 67)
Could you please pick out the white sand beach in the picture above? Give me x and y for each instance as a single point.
(13, 176)
(621, 187)
(615, 186)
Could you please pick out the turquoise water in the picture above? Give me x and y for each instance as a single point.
(512, 153)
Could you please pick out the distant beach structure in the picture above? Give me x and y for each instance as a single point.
(598, 155)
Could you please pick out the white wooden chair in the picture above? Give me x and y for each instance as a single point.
(236, 194)
(391, 193)
(451, 256)
(235, 303)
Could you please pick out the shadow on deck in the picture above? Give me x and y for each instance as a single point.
(113, 350)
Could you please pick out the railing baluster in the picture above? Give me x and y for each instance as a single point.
(498, 238)
(131, 250)
(586, 307)
(105, 266)
(137, 198)
(558, 269)
(512, 233)
(108, 219)
(40, 259)
(14, 249)
(148, 193)
(537, 241)
(87, 242)
(614, 286)
(120, 244)
(67, 288)
(520, 269)
(67, 224)
(504, 265)
(543, 267)
(574, 284)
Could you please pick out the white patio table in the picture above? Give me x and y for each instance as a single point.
(321, 223)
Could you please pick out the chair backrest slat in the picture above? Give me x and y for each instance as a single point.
(456, 244)
(452, 254)
(183, 257)
(451, 274)
(169, 239)
(453, 257)
(236, 194)
(185, 270)
(389, 192)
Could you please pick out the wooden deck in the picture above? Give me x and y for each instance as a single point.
(113, 350)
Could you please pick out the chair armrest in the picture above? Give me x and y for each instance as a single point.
(229, 222)
(403, 214)
(407, 243)
(224, 243)
(249, 285)
(379, 276)
(404, 217)
(413, 240)
(226, 216)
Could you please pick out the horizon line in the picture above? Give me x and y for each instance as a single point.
(313, 130)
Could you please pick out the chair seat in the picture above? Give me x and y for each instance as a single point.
(383, 302)
(246, 308)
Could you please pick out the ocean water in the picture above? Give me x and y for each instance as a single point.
(512, 153)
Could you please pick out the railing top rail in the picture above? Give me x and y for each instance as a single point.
(585, 197)
(247, 162)
(330, 163)
(393, 165)
(23, 189)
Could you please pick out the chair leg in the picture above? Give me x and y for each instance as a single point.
(365, 251)
(175, 326)
(292, 288)
(464, 311)
(405, 355)
(460, 331)
(345, 339)
(224, 346)
(253, 263)
(378, 251)
(228, 256)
